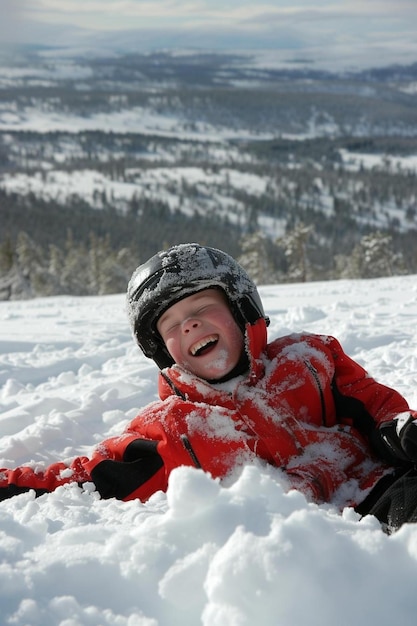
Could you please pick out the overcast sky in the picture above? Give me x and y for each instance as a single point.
(356, 27)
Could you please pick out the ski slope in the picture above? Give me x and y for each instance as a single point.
(71, 375)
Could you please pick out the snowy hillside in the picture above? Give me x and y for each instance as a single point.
(239, 555)
(210, 143)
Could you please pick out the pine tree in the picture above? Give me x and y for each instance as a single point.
(372, 257)
(294, 244)
(31, 265)
(6, 255)
(74, 277)
(255, 258)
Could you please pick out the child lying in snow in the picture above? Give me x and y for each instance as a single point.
(228, 397)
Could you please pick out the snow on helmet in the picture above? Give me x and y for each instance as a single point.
(170, 276)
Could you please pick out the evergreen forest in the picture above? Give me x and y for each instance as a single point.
(300, 175)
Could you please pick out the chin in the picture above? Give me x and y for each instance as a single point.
(213, 375)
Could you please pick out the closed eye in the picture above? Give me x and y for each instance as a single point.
(167, 329)
(205, 307)
(171, 328)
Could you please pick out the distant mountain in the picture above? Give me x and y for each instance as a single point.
(139, 151)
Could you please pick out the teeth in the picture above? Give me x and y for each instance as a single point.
(197, 347)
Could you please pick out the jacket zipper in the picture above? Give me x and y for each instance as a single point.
(184, 439)
(172, 386)
(315, 375)
(187, 445)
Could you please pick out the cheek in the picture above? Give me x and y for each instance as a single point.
(174, 348)
(235, 335)
(237, 338)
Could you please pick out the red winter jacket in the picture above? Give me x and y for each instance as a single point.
(305, 408)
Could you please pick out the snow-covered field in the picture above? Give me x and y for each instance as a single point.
(247, 554)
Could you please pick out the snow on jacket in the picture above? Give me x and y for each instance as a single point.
(305, 407)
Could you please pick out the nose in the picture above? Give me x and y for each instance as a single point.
(189, 324)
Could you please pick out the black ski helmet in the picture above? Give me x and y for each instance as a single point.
(171, 275)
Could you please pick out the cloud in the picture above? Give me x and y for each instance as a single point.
(98, 14)
(114, 13)
(216, 24)
(11, 16)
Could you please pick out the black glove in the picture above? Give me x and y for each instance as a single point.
(396, 441)
(407, 432)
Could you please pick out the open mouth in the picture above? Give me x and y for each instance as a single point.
(204, 345)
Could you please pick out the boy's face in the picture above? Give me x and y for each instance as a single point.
(201, 334)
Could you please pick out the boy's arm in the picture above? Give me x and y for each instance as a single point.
(21, 479)
(124, 467)
(355, 392)
(378, 411)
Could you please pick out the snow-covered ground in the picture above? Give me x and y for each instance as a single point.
(240, 555)
(143, 120)
(163, 183)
